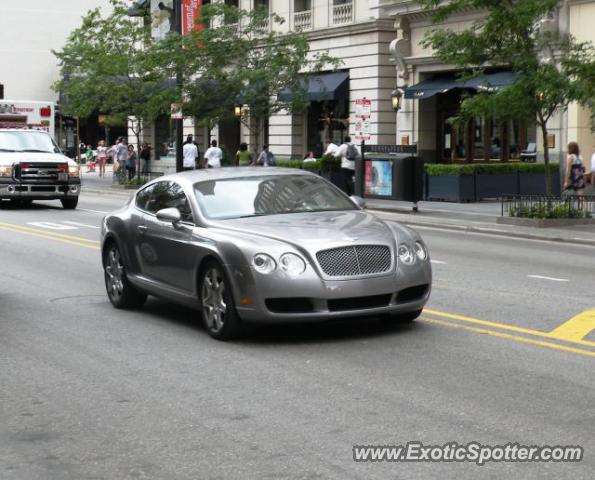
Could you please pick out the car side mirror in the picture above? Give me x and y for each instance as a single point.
(359, 201)
(172, 215)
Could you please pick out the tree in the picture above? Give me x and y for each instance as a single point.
(241, 60)
(520, 35)
(109, 66)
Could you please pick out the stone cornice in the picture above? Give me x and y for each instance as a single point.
(378, 25)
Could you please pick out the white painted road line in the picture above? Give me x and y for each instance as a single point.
(51, 226)
(539, 277)
(91, 211)
(77, 224)
(438, 262)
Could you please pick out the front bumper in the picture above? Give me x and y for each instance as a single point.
(280, 298)
(39, 191)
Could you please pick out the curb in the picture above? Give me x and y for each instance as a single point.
(492, 231)
(119, 192)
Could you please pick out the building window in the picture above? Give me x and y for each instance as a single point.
(263, 5)
(342, 11)
(302, 16)
(232, 20)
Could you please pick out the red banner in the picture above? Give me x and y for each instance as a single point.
(190, 9)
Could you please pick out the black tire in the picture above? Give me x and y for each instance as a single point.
(217, 308)
(121, 293)
(70, 203)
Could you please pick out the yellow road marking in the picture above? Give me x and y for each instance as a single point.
(512, 328)
(79, 241)
(576, 328)
(509, 336)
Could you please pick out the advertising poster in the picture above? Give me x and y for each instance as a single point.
(378, 178)
(190, 9)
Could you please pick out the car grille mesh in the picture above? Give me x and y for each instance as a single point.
(356, 260)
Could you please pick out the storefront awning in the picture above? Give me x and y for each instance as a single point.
(484, 83)
(322, 86)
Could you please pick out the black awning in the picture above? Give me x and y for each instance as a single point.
(321, 86)
(484, 83)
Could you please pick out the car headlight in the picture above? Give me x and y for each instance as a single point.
(264, 263)
(292, 264)
(421, 251)
(406, 254)
(73, 170)
(5, 171)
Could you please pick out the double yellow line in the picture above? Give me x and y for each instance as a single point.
(557, 339)
(48, 235)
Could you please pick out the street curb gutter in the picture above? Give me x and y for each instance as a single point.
(491, 231)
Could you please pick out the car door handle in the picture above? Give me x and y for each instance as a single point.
(141, 229)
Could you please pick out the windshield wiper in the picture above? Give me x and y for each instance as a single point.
(7, 150)
(35, 150)
(254, 215)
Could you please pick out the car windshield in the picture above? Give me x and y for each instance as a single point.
(268, 195)
(29, 141)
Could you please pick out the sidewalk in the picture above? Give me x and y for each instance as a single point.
(479, 217)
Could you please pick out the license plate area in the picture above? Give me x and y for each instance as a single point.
(62, 177)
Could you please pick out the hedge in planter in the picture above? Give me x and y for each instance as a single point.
(450, 182)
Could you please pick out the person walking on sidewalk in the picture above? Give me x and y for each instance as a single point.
(348, 153)
(213, 156)
(121, 155)
(131, 162)
(190, 154)
(574, 178)
(145, 156)
(266, 157)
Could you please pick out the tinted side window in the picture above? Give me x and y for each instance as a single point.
(143, 196)
(169, 195)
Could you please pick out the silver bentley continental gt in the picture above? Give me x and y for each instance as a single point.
(261, 245)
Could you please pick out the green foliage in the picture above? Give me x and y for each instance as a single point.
(330, 163)
(108, 66)
(440, 169)
(518, 35)
(312, 166)
(289, 163)
(250, 65)
(548, 210)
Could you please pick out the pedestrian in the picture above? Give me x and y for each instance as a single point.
(121, 154)
(243, 155)
(101, 157)
(331, 148)
(213, 156)
(593, 167)
(574, 178)
(90, 158)
(131, 162)
(190, 154)
(145, 156)
(266, 157)
(348, 153)
(309, 157)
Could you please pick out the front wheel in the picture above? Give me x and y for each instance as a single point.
(120, 291)
(217, 308)
(70, 203)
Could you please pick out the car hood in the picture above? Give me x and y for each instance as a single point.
(8, 158)
(317, 229)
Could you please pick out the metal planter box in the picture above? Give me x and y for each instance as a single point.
(451, 188)
(534, 183)
(496, 185)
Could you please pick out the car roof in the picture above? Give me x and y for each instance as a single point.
(224, 173)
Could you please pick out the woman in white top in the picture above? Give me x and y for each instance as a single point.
(575, 170)
(101, 157)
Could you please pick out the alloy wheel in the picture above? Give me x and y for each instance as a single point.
(114, 271)
(214, 307)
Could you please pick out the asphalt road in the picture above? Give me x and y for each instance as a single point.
(90, 392)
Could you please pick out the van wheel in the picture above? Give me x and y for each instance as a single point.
(70, 203)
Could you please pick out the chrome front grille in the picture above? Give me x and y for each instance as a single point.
(355, 260)
(37, 171)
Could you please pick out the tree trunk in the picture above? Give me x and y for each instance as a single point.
(546, 160)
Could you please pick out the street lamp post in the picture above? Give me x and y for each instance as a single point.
(179, 122)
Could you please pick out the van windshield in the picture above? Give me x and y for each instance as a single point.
(27, 141)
